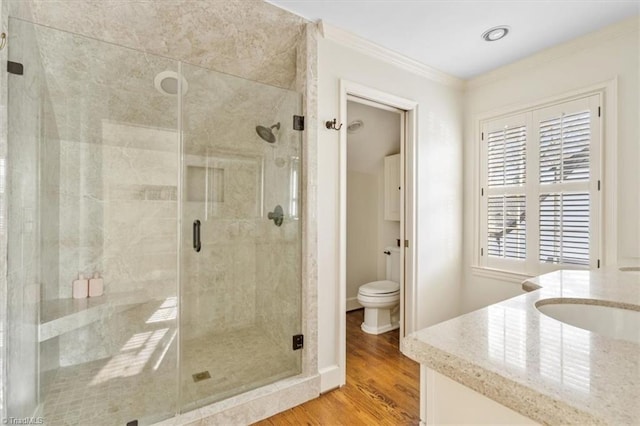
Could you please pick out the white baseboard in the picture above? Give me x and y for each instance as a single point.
(352, 304)
(330, 378)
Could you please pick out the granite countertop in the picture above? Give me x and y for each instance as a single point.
(544, 369)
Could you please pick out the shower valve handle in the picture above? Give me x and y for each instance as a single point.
(277, 215)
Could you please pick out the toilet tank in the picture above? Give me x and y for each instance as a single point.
(393, 263)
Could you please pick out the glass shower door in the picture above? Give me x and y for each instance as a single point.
(93, 171)
(241, 236)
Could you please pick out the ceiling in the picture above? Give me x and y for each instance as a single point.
(446, 35)
(379, 137)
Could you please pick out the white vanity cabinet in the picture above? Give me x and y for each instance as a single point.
(445, 401)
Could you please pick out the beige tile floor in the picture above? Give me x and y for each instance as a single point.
(140, 382)
(236, 361)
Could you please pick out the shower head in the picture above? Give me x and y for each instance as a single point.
(266, 133)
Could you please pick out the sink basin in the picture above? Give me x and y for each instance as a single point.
(595, 315)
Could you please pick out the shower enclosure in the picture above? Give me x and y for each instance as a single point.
(150, 173)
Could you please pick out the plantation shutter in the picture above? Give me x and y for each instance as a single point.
(564, 148)
(566, 135)
(506, 227)
(540, 188)
(505, 202)
(507, 155)
(564, 228)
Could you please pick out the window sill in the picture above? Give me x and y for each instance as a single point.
(498, 274)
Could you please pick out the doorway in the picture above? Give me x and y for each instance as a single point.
(373, 197)
(356, 99)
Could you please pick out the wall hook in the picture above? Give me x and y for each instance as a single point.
(332, 124)
(3, 40)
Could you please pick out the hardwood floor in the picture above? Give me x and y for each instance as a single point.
(382, 386)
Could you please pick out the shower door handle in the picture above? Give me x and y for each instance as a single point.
(197, 245)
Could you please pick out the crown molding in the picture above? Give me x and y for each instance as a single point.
(568, 48)
(369, 48)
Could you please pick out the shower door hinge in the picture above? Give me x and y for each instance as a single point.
(298, 341)
(298, 122)
(15, 68)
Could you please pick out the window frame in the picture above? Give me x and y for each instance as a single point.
(602, 250)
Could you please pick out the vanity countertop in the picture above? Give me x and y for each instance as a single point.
(544, 369)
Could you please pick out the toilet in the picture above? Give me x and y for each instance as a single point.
(382, 298)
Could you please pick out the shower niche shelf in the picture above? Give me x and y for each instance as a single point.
(60, 316)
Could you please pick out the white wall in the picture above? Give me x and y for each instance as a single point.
(368, 233)
(588, 60)
(439, 191)
(362, 232)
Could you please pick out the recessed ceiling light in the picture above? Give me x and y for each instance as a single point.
(495, 33)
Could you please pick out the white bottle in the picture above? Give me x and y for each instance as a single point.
(96, 285)
(80, 287)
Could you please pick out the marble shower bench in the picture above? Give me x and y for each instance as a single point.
(60, 316)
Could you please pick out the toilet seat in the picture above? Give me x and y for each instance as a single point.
(379, 288)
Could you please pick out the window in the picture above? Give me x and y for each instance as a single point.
(540, 194)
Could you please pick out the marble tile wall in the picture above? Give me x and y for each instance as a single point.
(307, 83)
(120, 210)
(248, 38)
(135, 222)
(49, 195)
